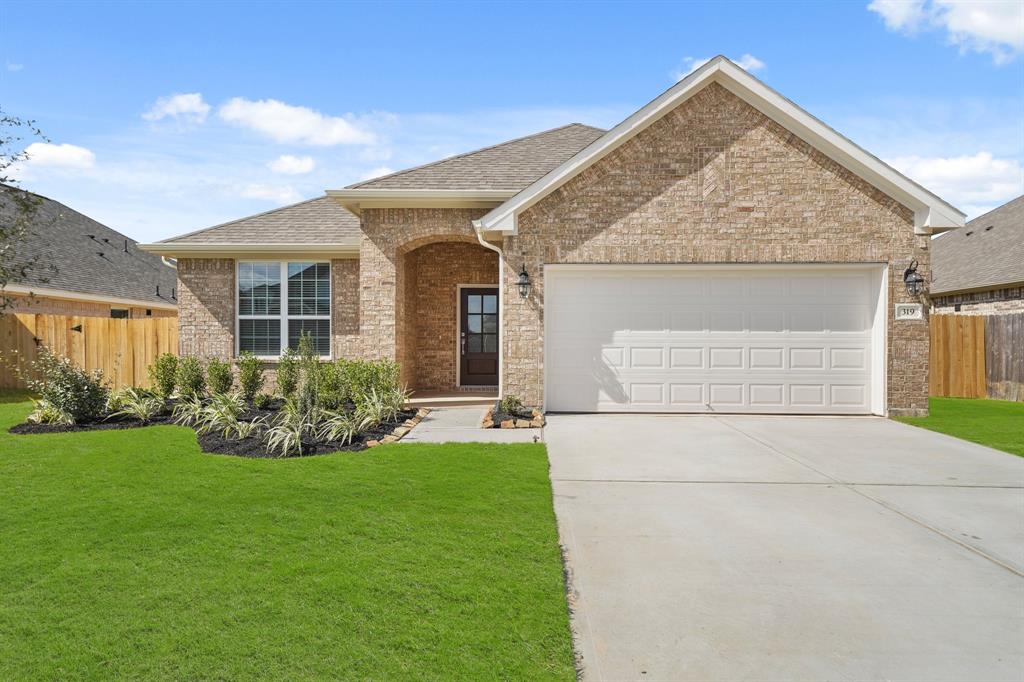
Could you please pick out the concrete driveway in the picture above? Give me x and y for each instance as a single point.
(779, 548)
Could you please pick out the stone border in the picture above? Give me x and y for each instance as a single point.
(536, 423)
(402, 429)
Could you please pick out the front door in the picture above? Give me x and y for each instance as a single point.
(478, 337)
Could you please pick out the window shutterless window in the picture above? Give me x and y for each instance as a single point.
(278, 301)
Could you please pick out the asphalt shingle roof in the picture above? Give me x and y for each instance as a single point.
(986, 252)
(76, 253)
(511, 165)
(314, 221)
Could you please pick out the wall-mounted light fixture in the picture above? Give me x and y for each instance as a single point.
(913, 280)
(524, 282)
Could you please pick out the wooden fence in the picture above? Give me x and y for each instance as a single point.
(122, 348)
(977, 356)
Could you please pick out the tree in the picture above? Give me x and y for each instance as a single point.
(17, 207)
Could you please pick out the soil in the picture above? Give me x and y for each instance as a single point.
(105, 425)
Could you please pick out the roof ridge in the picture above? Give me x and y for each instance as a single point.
(470, 153)
(238, 220)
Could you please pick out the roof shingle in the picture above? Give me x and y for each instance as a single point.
(986, 252)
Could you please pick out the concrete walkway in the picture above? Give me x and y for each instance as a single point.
(776, 548)
(462, 425)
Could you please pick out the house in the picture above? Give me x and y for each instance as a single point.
(979, 268)
(84, 267)
(720, 250)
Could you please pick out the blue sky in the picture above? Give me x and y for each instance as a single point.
(170, 117)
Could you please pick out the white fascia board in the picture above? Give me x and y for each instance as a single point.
(930, 212)
(357, 199)
(223, 250)
(64, 294)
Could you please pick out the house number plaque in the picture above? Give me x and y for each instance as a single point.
(909, 311)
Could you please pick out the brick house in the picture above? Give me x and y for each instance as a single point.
(979, 268)
(719, 250)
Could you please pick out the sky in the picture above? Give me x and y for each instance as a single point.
(163, 118)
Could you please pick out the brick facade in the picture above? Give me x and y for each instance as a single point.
(714, 181)
(996, 302)
(206, 307)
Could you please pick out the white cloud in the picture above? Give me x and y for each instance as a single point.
(995, 27)
(286, 164)
(975, 183)
(12, 67)
(376, 173)
(747, 62)
(286, 123)
(277, 194)
(186, 107)
(68, 156)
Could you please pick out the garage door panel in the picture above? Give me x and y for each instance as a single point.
(739, 341)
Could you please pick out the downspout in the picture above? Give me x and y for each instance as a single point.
(501, 300)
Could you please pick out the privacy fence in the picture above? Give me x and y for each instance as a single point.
(122, 348)
(978, 356)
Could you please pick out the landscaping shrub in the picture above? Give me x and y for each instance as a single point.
(45, 413)
(250, 374)
(363, 377)
(262, 401)
(511, 404)
(191, 381)
(135, 402)
(218, 376)
(162, 374)
(331, 386)
(67, 390)
(288, 373)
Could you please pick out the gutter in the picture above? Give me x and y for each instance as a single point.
(501, 301)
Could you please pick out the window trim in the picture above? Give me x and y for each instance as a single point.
(283, 315)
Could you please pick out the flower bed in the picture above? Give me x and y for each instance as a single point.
(510, 413)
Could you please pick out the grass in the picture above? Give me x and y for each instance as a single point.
(129, 554)
(996, 423)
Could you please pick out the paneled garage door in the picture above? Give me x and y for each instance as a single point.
(712, 339)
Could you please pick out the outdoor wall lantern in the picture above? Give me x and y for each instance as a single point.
(524, 282)
(913, 279)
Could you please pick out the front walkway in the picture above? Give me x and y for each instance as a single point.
(462, 425)
(777, 548)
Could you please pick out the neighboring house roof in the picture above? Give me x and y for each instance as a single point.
(510, 165)
(930, 212)
(76, 254)
(984, 254)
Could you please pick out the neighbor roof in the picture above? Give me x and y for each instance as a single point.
(510, 165)
(983, 254)
(75, 253)
(314, 221)
(930, 212)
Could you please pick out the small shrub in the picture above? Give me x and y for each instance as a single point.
(218, 376)
(244, 429)
(372, 409)
(285, 438)
(362, 377)
(288, 373)
(331, 386)
(136, 403)
(189, 410)
(79, 395)
(220, 413)
(191, 381)
(45, 413)
(250, 374)
(262, 401)
(511, 404)
(162, 374)
(342, 426)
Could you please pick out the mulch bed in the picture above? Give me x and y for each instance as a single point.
(496, 416)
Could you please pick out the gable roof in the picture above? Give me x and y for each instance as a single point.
(984, 254)
(77, 254)
(320, 222)
(510, 165)
(930, 212)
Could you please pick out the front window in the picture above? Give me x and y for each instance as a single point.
(265, 326)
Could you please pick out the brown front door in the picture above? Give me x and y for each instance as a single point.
(478, 337)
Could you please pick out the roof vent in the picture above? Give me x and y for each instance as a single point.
(989, 228)
(126, 246)
(969, 233)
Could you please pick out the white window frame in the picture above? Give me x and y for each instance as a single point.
(283, 316)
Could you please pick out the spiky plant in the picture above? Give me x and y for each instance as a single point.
(342, 427)
(136, 403)
(46, 412)
(189, 410)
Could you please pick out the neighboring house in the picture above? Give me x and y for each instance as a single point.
(720, 250)
(979, 268)
(83, 267)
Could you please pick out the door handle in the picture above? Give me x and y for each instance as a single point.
(463, 343)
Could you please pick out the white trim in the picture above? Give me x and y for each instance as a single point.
(254, 251)
(879, 325)
(931, 214)
(458, 329)
(283, 314)
(43, 292)
(357, 199)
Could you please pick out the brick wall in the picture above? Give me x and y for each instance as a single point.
(714, 181)
(206, 307)
(996, 302)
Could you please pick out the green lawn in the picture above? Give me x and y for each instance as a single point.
(996, 423)
(131, 554)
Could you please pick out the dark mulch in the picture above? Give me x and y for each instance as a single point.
(104, 425)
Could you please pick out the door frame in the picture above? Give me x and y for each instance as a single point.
(879, 398)
(458, 328)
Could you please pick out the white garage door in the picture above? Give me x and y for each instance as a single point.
(710, 339)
